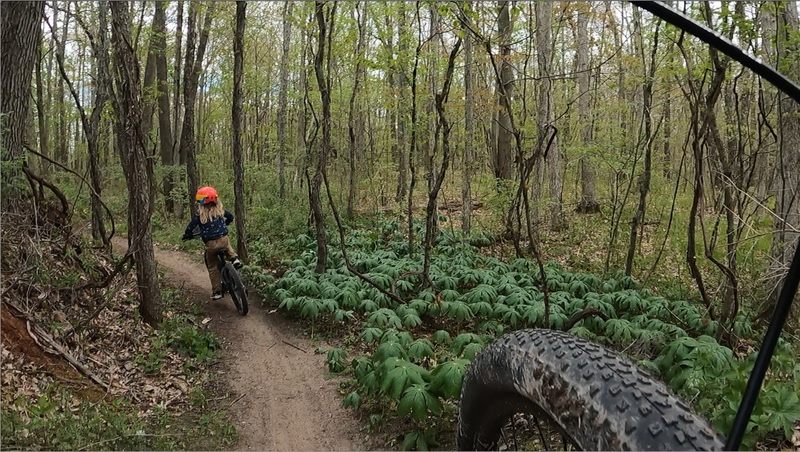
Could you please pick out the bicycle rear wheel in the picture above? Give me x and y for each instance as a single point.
(594, 399)
(236, 288)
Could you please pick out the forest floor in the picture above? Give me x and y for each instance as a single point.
(283, 399)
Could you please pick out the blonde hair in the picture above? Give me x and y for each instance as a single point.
(210, 211)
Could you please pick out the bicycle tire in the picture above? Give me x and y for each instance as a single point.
(236, 289)
(600, 400)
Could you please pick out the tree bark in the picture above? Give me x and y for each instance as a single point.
(443, 126)
(164, 124)
(20, 38)
(433, 123)
(546, 113)
(177, 157)
(588, 202)
(322, 72)
(42, 112)
(469, 135)
(351, 120)
(191, 76)
(503, 151)
(283, 116)
(149, 96)
(138, 168)
(401, 110)
(236, 114)
(102, 88)
(647, 114)
(61, 155)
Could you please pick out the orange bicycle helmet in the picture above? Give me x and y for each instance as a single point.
(206, 195)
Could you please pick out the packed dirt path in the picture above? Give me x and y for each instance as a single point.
(280, 397)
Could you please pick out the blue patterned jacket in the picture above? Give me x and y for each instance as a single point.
(214, 229)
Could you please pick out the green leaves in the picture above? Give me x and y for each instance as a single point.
(372, 334)
(307, 287)
(781, 411)
(442, 337)
(420, 439)
(418, 401)
(399, 374)
(480, 297)
(458, 311)
(420, 349)
(389, 349)
(447, 378)
(483, 292)
(335, 360)
(464, 339)
(352, 399)
(384, 317)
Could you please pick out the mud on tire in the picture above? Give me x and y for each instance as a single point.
(598, 399)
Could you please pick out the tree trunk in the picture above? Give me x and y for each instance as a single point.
(546, 113)
(412, 148)
(504, 153)
(647, 114)
(443, 126)
(148, 93)
(102, 88)
(236, 113)
(433, 122)
(164, 124)
(61, 155)
(192, 67)
(401, 110)
(351, 120)
(322, 72)
(138, 168)
(20, 40)
(588, 202)
(42, 113)
(283, 99)
(469, 135)
(177, 157)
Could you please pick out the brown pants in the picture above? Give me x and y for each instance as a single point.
(212, 246)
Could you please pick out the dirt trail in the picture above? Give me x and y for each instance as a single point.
(286, 403)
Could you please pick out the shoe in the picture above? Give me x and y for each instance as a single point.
(237, 264)
(216, 295)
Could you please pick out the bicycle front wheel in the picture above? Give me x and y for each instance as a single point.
(237, 290)
(593, 398)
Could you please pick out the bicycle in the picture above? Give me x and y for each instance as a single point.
(594, 398)
(231, 281)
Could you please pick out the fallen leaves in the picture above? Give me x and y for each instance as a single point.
(114, 345)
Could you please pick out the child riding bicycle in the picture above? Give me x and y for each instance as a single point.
(213, 221)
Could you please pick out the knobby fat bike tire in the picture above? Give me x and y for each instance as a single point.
(598, 399)
(236, 289)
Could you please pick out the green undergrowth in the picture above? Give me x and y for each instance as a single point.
(405, 361)
(61, 421)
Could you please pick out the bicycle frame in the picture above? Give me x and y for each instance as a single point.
(222, 254)
(790, 283)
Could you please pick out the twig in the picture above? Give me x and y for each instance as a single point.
(589, 311)
(67, 355)
(294, 346)
(108, 211)
(237, 399)
(219, 398)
